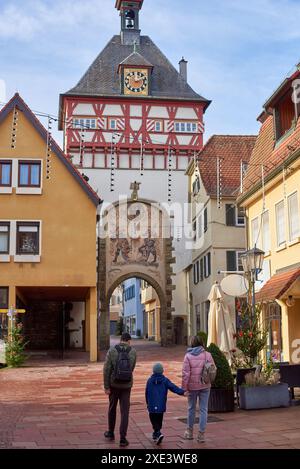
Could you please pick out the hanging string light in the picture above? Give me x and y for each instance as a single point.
(49, 149)
(112, 164)
(14, 129)
(170, 175)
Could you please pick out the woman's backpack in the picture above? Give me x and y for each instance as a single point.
(209, 372)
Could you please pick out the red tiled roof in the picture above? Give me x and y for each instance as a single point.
(266, 152)
(231, 149)
(275, 288)
(17, 101)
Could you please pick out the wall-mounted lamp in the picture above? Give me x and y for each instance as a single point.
(290, 302)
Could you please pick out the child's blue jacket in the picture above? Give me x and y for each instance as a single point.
(157, 392)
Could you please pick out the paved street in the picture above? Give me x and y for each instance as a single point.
(62, 405)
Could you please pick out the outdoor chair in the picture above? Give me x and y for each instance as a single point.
(290, 374)
(240, 379)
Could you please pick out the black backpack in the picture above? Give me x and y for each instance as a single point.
(123, 369)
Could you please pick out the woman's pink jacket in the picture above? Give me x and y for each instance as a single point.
(192, 369)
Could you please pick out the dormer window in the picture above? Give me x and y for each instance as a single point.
(284, 115)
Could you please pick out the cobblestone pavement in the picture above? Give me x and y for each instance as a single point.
(62, 405)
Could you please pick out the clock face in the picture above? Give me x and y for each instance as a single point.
(136, 81)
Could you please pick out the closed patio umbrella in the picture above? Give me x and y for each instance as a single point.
(220, 327)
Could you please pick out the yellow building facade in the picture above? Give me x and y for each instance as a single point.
(48, 243)
(271, 197)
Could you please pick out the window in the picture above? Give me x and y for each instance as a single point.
(202, 270)
(186, 127)
(196, 272)
(280, 223)
(4, 238)
(255, 231)
(198, 318)
(196, 186)
(29, 174)
(284, 115)
(3, 298)
(5, 173)
(230, 215)
(294, 226)
(28, 242)
(3, 317)
(234, 262)
(85, 123)
(205, 220)
(240, 216)
(158, 126)
(266, 231)
(207, 265)
(112, 124)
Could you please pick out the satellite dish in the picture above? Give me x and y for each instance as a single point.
(235, 285)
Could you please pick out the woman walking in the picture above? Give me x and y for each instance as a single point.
(195, 380)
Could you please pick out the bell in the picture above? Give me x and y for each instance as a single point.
(129, 24)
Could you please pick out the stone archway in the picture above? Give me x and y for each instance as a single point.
(140, 246)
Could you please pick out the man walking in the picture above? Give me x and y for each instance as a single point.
(118, 380)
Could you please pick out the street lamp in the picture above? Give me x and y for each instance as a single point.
(252, 262)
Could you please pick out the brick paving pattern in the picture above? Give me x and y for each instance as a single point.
(52, 404)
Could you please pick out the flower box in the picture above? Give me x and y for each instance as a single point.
(264, 397)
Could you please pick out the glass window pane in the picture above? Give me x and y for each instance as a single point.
(266, 232)
(189, 127)
(182, 127)
(35, 175)
(194, 127)
(294, 224)
(4, 242)
(27, 241)
(280, 223)
(5, 174)
(3, 298)
(177, 127)
(24, 174)
(254, 231)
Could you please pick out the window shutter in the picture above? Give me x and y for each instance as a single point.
(205, 220)
(201, 270)
(230, 215)
(231, 261)
(208, 264)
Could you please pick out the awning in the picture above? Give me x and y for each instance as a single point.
(278, 285)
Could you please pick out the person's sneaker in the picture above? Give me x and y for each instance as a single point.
(159, 439)
(201, 437)
(124, 442)
(109, 435)
(188, 434)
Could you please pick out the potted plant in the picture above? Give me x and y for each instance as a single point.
(222, 390)
(15, 348)
(263, 390)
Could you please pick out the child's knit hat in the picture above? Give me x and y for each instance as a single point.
(158, 368)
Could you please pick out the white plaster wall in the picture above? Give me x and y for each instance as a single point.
(158, 111)
(113, 110)
(84, 110)
(78, 314)
(186, 113)
(136, 111)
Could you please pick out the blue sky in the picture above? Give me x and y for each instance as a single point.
(238, 51)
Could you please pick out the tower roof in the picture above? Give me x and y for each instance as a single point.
(101, 79)
(136, 59)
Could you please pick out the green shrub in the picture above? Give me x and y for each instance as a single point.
(224, 378)
(15, 347)
(203, 336)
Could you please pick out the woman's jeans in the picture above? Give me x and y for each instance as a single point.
(203, 396)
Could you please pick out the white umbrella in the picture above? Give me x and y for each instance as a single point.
(220, 327)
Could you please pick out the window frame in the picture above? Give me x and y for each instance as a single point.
(83, 125)
(112, 119)
(283, 242)
(266, 248)
(7, 224)
(28, 224)
(196, 276)
(182, 127)
(10, 163)
(295, 193)
(238, 208)
(160, 126)
(30, 163)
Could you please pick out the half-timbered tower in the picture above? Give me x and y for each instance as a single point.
(134, 117)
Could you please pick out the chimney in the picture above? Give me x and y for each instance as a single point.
(183, 68)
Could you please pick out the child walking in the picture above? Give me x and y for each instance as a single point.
(157, 389)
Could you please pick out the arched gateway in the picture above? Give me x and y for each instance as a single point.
(135, 241)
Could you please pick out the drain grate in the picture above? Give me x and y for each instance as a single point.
(211, 419)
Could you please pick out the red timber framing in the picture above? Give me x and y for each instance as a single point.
(97, 141)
